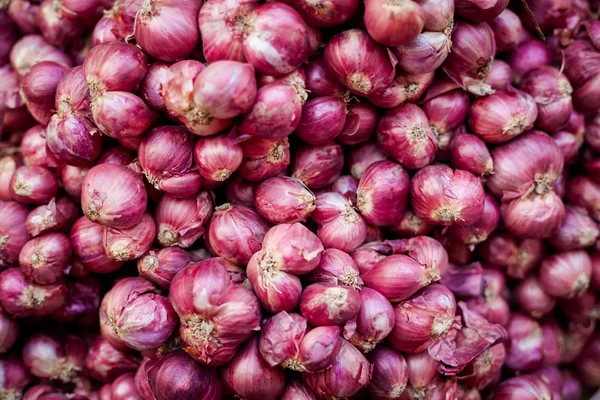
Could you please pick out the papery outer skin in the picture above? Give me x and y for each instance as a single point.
(528, 55)
(583, 192)
(502, 116)
(293, 248)
(86, 237)
(231, 244)
(518, 257)
(480, 11)
(520, 164)
(275, 114)
(404, 87)
(40, 82)
(177, 375)
(349, 373)
(404, 134)
(161, 265)
(319, 81)
(533, 216)
(32, 184)
(507, 29)
(113, 195)
(566, 274)
(360, 157)
(480, 230)
(455, 196)
(500, 75)
(165, 153)
(8, 166)
(221, 29)
(180, 222)
(15, 373)
(167, 29)
(473, 49)
(260, 39)
(33, 148)
(578, 230)
(52, 217)
(282, 200)
(277, 290)
(390, 373)
(13, 231)
(397, 277)
(340, 225)
(484, 367)
(324, 304)
(296, 390)
(55, 357)
(225, 88)
(446, 111)
(363, 129)
(73, 139)
(105, 363)
(318, 166)
(346, 185)
(469, 153)
(43, 259)
(374, 322)
(532, 298)
(250, 377)
(410, 225)
(9, 332)
(379, 206)
(464, 280)
(524, 387)
(264, 158)
(152, 85)
(32, 49)
(322, 119)
(145, 320)
(337, 267)
(358, 62)
(425, 250)
(114, 67)
(280, 337)
(524, 351)
(131, 243)
(217, 157)
(203, 295)
(120, 114)
(324, 14)
(422, 319)
(382, 20)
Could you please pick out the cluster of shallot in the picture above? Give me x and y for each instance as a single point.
(299, 199)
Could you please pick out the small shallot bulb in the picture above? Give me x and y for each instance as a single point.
(180, 222)
(349, 373)
(404, 134)
(502, 116)
(410, 225)
(473, 49)
(524, 387)
(167, 30)
(284, 200)
(152, 85)
(217, 157)
(231, 243)
(375, 321)
(112, 113)
(500, 75)
(86, 238)
(423, 318)
(73, 139)
(551, 90)
(296, 390)
(318, 166)
(33, 148)
(443, 196)
(216, 314)
(8, 166)
(53, 357)
(566, 274)
(324, 304)
(32, 49)
(24, 298)
(114, 66)
(250, 377)
(358, 62)
(276, 39)
(518, 257)
(446, 111)
(166, 159)
(584, 192)
(525, 348)
(337, 267)
(469, 153)
(288, 250)
(578, 230)
(508, 30)
(286, 342)
(361, 121)
(340, 225)
(275, 114)
(532, 299)
(528, 55)
(161, 266)
(32, 184)
(326, 14)
(113, 195)
(264, 158)
(45, 258)
(390, 373)
(240, 191)
(177, 375)
(124, 244)
(134, 315)
(323, 118)
(382, 19)
(480, 230)
(105, 363)
(360, 157)
(474, 10)
(382, 193)
(485, 367)
(13, 231)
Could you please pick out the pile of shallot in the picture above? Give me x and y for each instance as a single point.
(299, 199)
